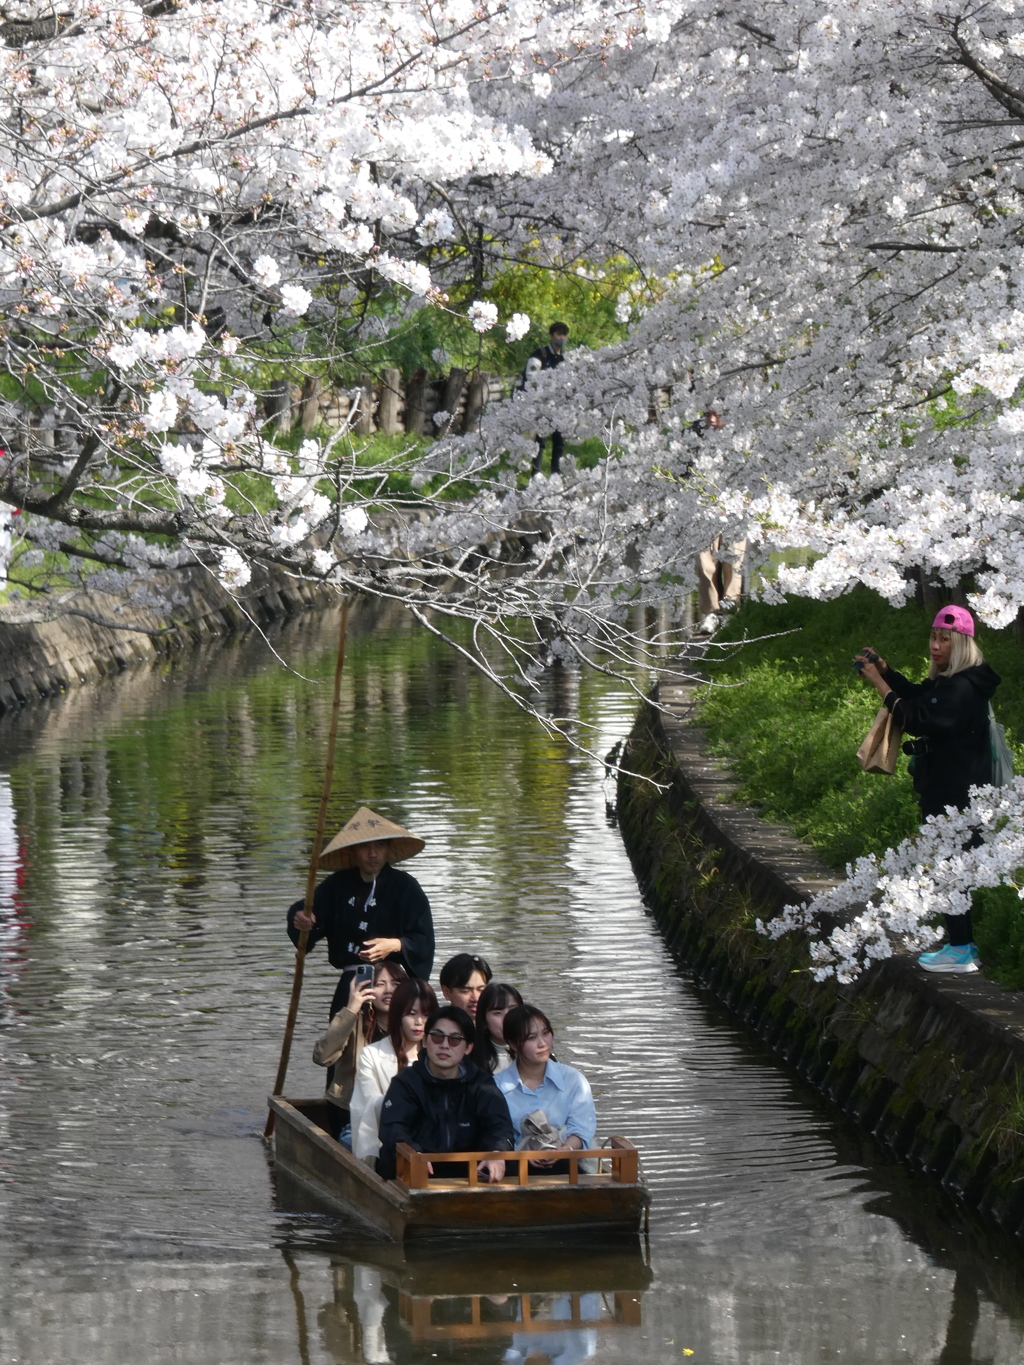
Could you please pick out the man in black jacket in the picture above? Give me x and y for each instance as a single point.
(548, 357)
(368, 910)
(444, 1103)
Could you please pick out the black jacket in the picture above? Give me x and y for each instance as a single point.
(543, 358)
(468, 1114)
(401, 910)
(951, 716)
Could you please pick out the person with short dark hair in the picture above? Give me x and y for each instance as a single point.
(548, 357)
(495, 1002)
(463, 978)
(536, 1081)
(443, 1103)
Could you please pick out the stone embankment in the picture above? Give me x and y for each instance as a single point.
(76, 641)
(48, 649)
(933, 1066)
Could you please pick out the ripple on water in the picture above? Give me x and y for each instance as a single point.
(154, 834)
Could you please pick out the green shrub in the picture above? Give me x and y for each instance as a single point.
(790, 713)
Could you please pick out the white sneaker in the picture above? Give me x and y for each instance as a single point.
(709, 625)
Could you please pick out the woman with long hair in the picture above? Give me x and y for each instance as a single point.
(536, 1081)
(360, 1022)
(411, 1005)
(495, 1002)
(949, 713)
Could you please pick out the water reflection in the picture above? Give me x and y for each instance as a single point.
(152, 830)
(552, 1304)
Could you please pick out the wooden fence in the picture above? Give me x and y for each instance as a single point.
(388, 403)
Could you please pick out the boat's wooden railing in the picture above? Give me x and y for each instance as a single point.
(622, 1157)
(417, 1314)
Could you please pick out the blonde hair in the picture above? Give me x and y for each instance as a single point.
(964, 654)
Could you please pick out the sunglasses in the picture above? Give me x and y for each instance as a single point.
(453, 1039)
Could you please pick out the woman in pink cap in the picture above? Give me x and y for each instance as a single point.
(949, 713)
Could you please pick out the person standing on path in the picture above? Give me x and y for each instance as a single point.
(368, 910)
(719, 579)
(548, 357)
(950, 714)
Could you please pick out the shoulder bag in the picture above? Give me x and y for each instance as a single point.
(1002, 759)
(881, 747)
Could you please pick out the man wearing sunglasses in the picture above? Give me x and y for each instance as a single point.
(443, 1103)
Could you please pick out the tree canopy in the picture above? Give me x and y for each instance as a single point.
(815, 216)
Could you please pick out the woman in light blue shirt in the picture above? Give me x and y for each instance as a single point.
(535, 1081)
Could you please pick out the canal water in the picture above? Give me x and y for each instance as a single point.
(152, 832)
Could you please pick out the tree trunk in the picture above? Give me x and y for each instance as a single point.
(364, 418)
(416, 403)
(476, 400)
(310, 403)
(279, 404)
(390, 402)
(452, 393)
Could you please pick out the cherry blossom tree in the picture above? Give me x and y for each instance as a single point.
(890, 900)
(190, 190)
(821, 207)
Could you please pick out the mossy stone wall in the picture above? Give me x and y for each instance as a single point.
(44, 654)
(933, 1066)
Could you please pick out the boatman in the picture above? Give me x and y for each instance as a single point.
(368, 910)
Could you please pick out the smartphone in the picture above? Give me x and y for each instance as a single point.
(364, 974)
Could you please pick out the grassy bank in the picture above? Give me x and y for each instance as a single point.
(790, 713)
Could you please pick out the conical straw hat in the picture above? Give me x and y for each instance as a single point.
(364, 827)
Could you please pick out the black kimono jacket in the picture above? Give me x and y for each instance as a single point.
(401, 910)
(951, 716)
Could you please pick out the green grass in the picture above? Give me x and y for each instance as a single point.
(790, 713)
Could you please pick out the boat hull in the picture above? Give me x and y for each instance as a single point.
(548, 1204)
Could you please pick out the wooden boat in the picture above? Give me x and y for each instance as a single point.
(414, 1206)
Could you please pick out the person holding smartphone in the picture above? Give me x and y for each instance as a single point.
(411, 1006)
(368, 910)
(948, 712)
(362, 1020)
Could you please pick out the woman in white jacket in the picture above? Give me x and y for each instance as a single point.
(411, 1006)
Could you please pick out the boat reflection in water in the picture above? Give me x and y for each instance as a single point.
(537, 1304)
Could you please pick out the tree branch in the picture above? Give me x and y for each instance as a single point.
(1011, 100)
(913, 246)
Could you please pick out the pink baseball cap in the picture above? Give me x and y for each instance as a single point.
(954, 618)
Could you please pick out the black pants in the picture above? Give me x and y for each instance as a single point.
(336, 1119)
(959, 928)
(557, 450)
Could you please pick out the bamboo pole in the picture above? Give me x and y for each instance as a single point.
(314, 858)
